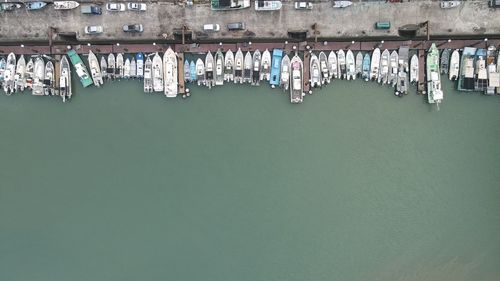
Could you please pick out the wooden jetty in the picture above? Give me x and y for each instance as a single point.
(306, 85)
(421, 72)
(180, 69)
(57, 71)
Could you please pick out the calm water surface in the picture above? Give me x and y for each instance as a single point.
(238, 184)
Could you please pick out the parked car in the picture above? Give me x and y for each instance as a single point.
(115, 7)
(91, 9)
(93, 29)
(236, 26)
(303, 5)
(133, 28)
(211, 27)
(133, 6)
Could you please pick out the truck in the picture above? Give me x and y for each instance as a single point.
(91, 10)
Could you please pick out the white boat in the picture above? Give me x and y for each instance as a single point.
(126, 69)
(375, 64)
(449, 4)
(454, 65)
(9, 75)
(119, 66)
(2, 69)
(314, 72)
(187, 72)
(323, 65)
(267, 5)
(219, 68)
(393, 69)
(493, 75)
(247, 68)
(139, 58)
(48, 81)
(265, 69)
(359, 64)
(133, 68)
(341, 4)
(229, 66)
(171, 79)
(332, 65)
(366, 67)
(414, 69)
(38, 77)
(209, 70)
(148, 76)
(402, 77)
(20, 77)
(434, 91)
(350, 65)
(238, 67)
(200, 72)
(384, 67)
(95, 69)
(256, 67)
(342, 64)
(65, 79)
(29, 74)
(65, 5)
(445, 61)
(285, 73)
(157, 67)
(297, 76)
(104, 67)
(111, 70)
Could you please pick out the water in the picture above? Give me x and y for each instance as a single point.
(236, 183)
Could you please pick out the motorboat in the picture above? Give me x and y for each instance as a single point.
(314, 72)
(148, 75)
(359, 64)
(8, 7)
(267, 5)
(9, 75)
(37, 5)
(209, 70)
(126, 69)
(171, 79)
(20, 76)
(219, 68)
(38, 77)
(157, 71)
(323, 65)
(493, 74)
(375, 64)
(192, 71)
(454, 65)
(414, 69)
(393, 69)
(229, 66)
(238, 66)
(95, 69)
(256, 68)
(332, 65)
(187, 72)
(277, 56)
(341, 4)
(297, 76)
(481, 74)
(48, 81)
(111, 70)
(402, 76)
(80, 68)
(434, 91)
(366, 67)
(285, 73)
(200, 72)
(65, 79)
(104, 67)
(133, 68)
(383, 76)
(3, 64)
(119, 71)
(247, 68)
(65, 5)
(342, 64)
(265, 69)
(350, 65)
(30, 73)
(445, 61)
(445, 4)
(139, 61)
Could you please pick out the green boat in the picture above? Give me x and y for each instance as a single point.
(434, 92)
(81, 69)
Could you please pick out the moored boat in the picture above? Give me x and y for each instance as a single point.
(323, 65)
(111, 70)
(219, 68)
(332, 65)
(341, 4)
(171, 79)
(95, 69)
(434, 92)
(187, 72)
(481, 75)
(265, 69)
(229, 66)
(384, 67)
(276, 67)
(454, 65)
(29, 74)
(414, 69)
(359, 64)
(119, 66)
(3, 64)
(256, 67)
(247, 68)
(126, 69)
(48, 81)
(447, 4)
(139, 61)
(133, 68)
(200, 72)
(402, 83)
(314, 72)
(285, 73)
(350, 65)
(192, 71)
(9, 74)
(104, 67)
(297, 76)
(37, 5)
(493, 74)
(8, 7)
(366, 67)
(238, 67)
(157, 71)
(445, 61)
(65, 79)
(65, 5)
(148, 75)
(393, 69)
(342, 64)
(375, 64)
(466, 74)
(80, 68)
(209, 70)
(38, 77)
(20, 76)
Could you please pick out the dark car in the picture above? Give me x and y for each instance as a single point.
(236, 26)
(133, 28)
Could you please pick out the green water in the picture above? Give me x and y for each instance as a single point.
(238, 184)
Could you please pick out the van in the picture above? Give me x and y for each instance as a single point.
(91, 9)
(383, 25)
(236, 26)
(211, 27)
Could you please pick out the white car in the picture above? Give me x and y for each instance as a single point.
(115, 7)
(211, 27)
(136, 6)
(303, 5)
(93, 29)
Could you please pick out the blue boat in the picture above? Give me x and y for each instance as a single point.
(139, 61)
(30, 6)
(192, 69)
(365, 74)
(276, 67)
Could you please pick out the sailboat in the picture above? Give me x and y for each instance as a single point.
(434, 92)
(111, 66)
(323, 65)
(126, 69)
(200, 72)
(256, 67)
(95, 69)
(148, 75)
(350, 65)
(157, 67)
(20, 77)
(48, 81)
(65, 79)
(375, 64)
(209, 70)
(332, 65)
(285, 73)
(238, 67)
(38, 77)
(414, 69)
(219, 68)
(139, 60)
(342, 64)
(297, 76)
(384, 67)
(229, 66)
(265, 69)
(393, 69)
(171, 75)
(119, 66)
(314, 72)
(247, 68)
(9, 74)
(366, 67)
(454, 65)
